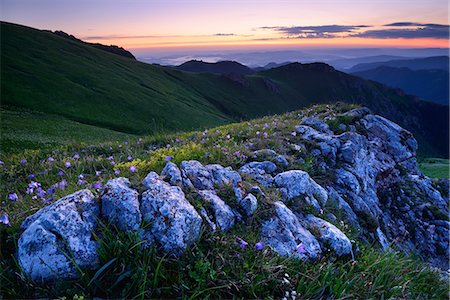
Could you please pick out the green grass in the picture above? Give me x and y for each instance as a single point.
(46, 73)
(215, 267)
(18, 132)
(435, 167)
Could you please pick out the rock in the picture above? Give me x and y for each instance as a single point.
(120, 204)
(175, 224)
(260, 172)
(172, 174)
(151, 179)
(58, 233)
(317, 124)
(398, 143)
(221, 213)
(286, 236)
(223, 177)
(202, 211)
(249, 204)
(357, 112)
(329, 235)
(270, 155)
(339, 205)
(193, 172)
(347, 180)
(297, 183)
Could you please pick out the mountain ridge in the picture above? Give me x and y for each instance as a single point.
(133, 97)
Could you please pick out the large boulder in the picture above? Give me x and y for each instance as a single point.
(329, 236)
(196, 175)
(260, 172)
(58, 238)
(172, 174)
(219, 212)
(120, 204)
(174, 222)
(226, 177)
(298, 184)
(286, 236)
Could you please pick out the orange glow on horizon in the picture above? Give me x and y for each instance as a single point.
(208, 42)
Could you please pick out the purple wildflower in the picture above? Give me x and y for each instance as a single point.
(97, 185)
(81, 182)
(76, 156)
(117, 172)
(1, 163)
(51, 190)
(31, 176)
(112, 163)
(98, 173)
(228, 136)
(63, 184)
(23, 161)
(13, 197)
(41, 193)
(168, 158)
(50, 159)
(110, 158)
(265, 134)
(61, 173)
(294, 133)
(4, 219)
(168, 146)
(242, 243)
(301, 248)
(259, 246)
(258, 133)
(67, 164)
(133, 169)
(130, 157)
(177, 140)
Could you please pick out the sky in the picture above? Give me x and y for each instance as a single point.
(230, 24)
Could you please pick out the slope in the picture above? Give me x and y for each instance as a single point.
(426, 63)
(431, 85)
(58, 76)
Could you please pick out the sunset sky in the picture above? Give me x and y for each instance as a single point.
(185, 23)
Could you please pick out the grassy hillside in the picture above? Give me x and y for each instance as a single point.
(430, 85)
(215, 267)
(45, 73)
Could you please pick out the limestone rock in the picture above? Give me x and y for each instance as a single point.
(260, 172)
(329, 235)
(286, 236)
(195, 173)
(297, 183)
(175, 224)
(120, 204)
(220, 212)
(57, 232)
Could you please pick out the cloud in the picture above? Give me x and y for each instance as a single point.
(224, 34)
(414, 30)
(322, 31)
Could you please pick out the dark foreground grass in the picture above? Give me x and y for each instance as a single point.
(216, 266)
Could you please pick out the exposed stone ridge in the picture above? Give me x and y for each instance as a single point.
(369, 181)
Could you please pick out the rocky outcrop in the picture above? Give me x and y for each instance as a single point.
(120, 204)
(59, 236)
(175, 224)
(364, 178)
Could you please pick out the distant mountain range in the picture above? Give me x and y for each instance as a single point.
(427, 77)
(432, 85)
(220, 67)
(427, 63)
(57, 76)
